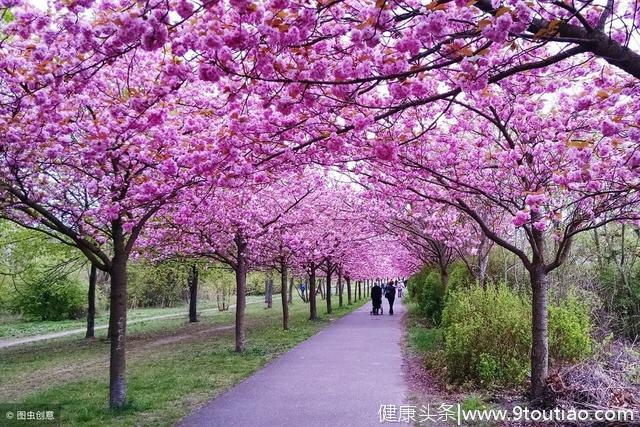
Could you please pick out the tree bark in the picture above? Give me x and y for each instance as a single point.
(241, 289)
(290, 294)
(118, 320)
(313, 311)
(193, 294)
(269, 296)
(91, 302)
(283, 291)
(483, 260)
(339, 287)
(360, 290)
(329, 266)
(540, 333)
(444, 277)
(349, 290)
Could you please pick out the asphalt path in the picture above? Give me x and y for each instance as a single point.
(339, 377)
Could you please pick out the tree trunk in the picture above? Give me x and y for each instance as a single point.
(283, 292)
(360, 290)
(193, 294)
(540, 334)
(329, 287)
(349, 291)
(270, 292)
(313, 311)
(339, 287)
(444, 277)
(241, 290)
(290, 294)
(320, 288)
(118, 320)
(91, 302)
(483, 263)
(483, 260)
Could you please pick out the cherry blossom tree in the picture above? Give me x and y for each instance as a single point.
(90, 161)
(554, 170)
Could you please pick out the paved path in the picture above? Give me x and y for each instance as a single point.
(4, 343)
(339, 377)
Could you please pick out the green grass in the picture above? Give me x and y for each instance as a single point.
(12, 326)
(421, 339)
(425, 340)
(167, 377)
(473, 402)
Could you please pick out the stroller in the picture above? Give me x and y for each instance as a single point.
(377, 307)
(376, 300)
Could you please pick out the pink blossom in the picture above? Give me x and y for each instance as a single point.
(433, 25)
(540, 225)
(535, 199)
(155, 36)
(521, 218)
(609, 128)
(385, 151)
(184, 8)
(208, 72)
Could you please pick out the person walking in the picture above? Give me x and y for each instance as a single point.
(303, 290)
(390, 294)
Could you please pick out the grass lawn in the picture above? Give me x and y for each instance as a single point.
(173, 366)
(12, 326)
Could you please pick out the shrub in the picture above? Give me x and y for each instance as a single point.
(5, 296)
(487, 335)
(161, 285)
(622, 299)
(50, 299)
(459, 276)
(426, 290)
(569, 331)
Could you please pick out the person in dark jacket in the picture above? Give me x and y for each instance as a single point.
(390, 294)
(376, 298)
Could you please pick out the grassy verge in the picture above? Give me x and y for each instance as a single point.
(173, 367)
(422, 339)
(429, 387)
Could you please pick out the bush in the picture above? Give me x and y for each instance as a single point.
(487, 335)
(459, 276)
(622, 299)
(50, 299)
(426, 290)
(161, 285)
(569, 331)
(5, 296)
